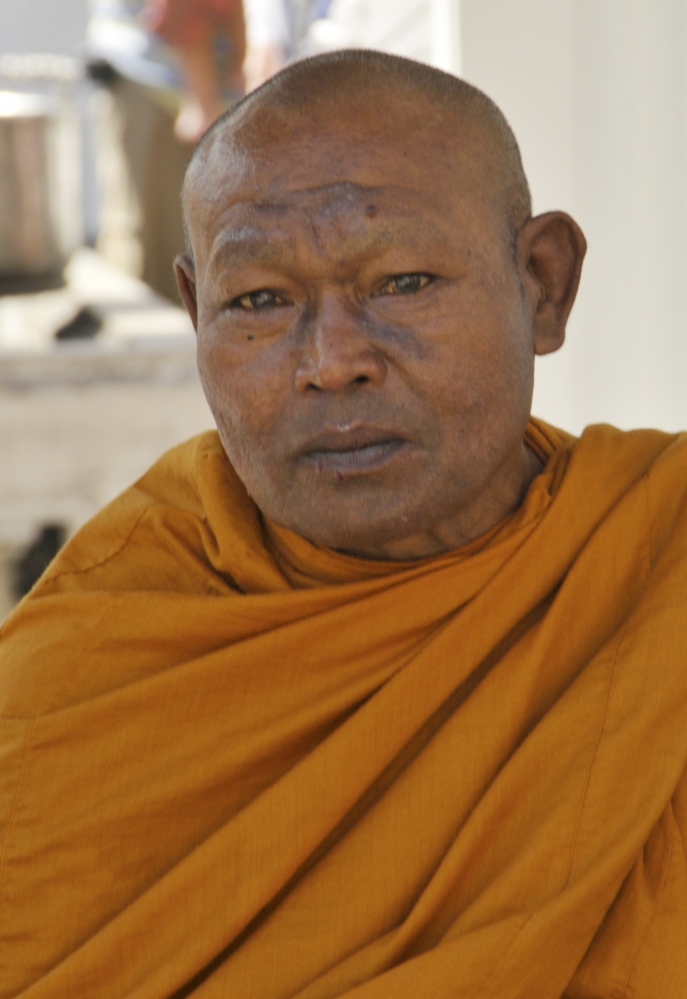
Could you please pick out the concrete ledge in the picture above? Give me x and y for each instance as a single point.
(168, 360)
(82, 419)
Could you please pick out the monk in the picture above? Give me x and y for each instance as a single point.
(380, 691)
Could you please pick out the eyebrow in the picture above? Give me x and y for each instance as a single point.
(235, 250)
(251, 245)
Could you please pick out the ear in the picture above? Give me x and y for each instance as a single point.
(551, 248)
(186, 280)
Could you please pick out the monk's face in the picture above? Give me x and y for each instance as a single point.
(364, 339)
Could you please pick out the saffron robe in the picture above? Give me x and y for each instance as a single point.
(235, 765)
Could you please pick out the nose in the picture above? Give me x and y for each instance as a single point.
(337, 352)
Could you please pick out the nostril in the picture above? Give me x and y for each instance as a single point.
(361, 380)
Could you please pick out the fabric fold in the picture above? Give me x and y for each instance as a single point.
(269, 770)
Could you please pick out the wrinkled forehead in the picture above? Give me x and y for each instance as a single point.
(318, 201)
(343, 224)
(336, 176)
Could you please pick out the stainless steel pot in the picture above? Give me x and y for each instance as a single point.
(40, 189)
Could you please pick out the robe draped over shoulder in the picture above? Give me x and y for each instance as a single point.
(234, 764)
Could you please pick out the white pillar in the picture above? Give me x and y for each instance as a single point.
(444, 35)
(596, 91)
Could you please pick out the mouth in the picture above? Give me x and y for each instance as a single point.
(350, 452)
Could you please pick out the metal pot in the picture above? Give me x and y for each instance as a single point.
(40, 189)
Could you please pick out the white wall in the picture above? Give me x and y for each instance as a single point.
(428, 30)
(596, 91)
(57, 26)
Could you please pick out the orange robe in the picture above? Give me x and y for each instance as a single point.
(238, 766)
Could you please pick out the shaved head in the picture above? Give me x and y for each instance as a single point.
(361, 78)
(369, 290)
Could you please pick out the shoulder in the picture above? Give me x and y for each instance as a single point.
(641, 470)
(154, 534)
(150, 548)
(620, 459)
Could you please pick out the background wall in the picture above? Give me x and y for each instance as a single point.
(596, 92)
(56, 26)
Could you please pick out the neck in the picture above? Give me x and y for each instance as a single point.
(501, 497)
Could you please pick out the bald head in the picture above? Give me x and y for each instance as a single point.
(369, 291)
(314, 90)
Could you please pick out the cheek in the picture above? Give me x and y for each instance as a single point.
(245, 388)
(501, 316)
(484, 367)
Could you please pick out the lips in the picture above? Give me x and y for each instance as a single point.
(354, 450)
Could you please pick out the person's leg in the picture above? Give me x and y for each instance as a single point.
(203, 102)
(262, 62)
(234, 27)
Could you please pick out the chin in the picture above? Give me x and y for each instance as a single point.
(352, 517)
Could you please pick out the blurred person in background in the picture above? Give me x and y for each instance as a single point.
(262, 35)
(267, 32)
(190, 27)
(167, 85)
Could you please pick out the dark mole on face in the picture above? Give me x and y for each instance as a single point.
(249, 337)
(371, 212)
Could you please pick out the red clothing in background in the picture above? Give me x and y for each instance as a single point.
(187, 22)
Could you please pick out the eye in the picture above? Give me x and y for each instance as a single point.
(404, 284)
(254, 300)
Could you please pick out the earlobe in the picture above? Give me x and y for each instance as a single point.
(186, 281)
(551, 249)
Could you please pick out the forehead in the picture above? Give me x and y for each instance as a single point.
(342, 222)
(335, 174)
